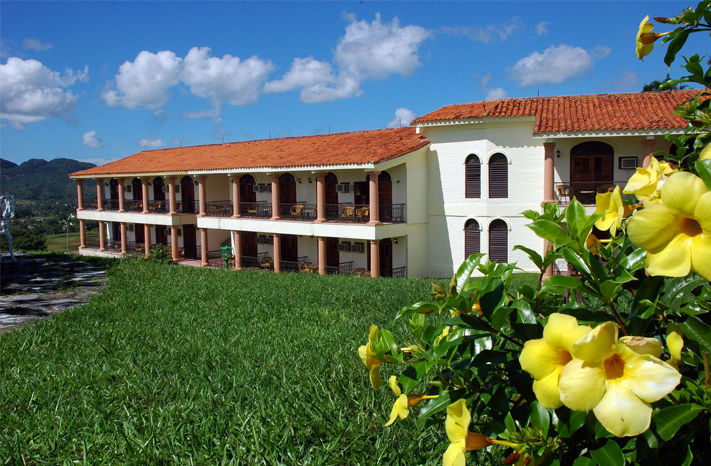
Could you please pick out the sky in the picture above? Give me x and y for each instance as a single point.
(97, 81)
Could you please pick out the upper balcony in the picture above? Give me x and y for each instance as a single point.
(346, 213)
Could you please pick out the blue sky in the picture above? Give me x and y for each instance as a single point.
(99, 81)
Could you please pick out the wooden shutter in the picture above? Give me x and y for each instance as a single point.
(472, 177)
(498, 177)
(498, 241)
(472, 237)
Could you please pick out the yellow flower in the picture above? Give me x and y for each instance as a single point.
(705, 152)
(645, 38)
(545, 358)
(676, 233)
(401, 407)
(368, 356)
(613, 211)
(461, 440)
(644, 184)
(617, 379)
(675, 343)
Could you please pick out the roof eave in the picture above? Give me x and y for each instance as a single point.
(608, 133)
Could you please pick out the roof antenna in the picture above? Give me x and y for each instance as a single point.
(329, 128)
(538, 92)
(270, 133)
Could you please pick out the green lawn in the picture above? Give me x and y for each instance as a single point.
(179, 364)
(58, 242)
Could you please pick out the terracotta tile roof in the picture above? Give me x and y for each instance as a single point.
(359, 147)
(578, 113)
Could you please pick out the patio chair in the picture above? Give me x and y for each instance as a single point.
(296, 210)
(563, 193)
(363, 213)
(359, 272)
(266, 262)
(252, 210)
(306, 267)
(347, 211)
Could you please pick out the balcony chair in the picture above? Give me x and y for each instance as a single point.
(266, 262)
(563, 193)
(296, 210)
(347, 211)
(363, 213)
(359, 272)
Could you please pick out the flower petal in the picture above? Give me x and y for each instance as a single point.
(546, 390)
(643, 345)
(682, 191)
(597, 344)
(675, 343)
(400, 410)
(457, 423)
(648, 377)
(375, 376)
(363, 355)
(671, 260)
(562, 330)
(621, 411)
(392, 381)
(456, 454)
(652, 227)
(538, 358)
(581, 385)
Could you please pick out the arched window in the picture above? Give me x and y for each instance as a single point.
(137, 189)
(498, 177)
(498, 241)
(158, 189)
(472, 236)
(472, 177)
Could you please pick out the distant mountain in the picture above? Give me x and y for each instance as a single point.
(40, 180)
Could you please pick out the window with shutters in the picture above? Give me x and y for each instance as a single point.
(498, 241)
(472, 177)
(498, 176)
(472, 235)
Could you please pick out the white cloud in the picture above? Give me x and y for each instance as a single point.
(368, 50)
(491, 93)
(90, 139)
(600, 52)
(488, 33)
(35, 44)
(145, 82)
(150, 143)
(213, 113)
(31, 92)
(627, 80)
(403, 117)
(226, 79)
(542, 28)
(553, 66)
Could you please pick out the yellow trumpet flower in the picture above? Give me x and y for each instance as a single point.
(369, 358)
(676, 233)
(546, 357)
(646, 38)
(401, 407)
(617, 379)
(612, 210)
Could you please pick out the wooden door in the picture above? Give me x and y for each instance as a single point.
(249, 244)
(190, 241)
(113, 186)
(116, 232)
(591, 170)
(361, 193)
(137, 189)
(246, 189)
(331, 190)
(158, 189)
(289, 248)
(287, 189)
(332, 254)
(386, 258)
(161, 235)
(138, 229)
(187, 195)
(385, 197)
(498, 241)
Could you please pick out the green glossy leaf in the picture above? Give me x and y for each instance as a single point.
(576, 261)
(562, 281)
(437, 405)
(703, 167)
(417, 308)
(551, 231)
(493, 299)
(533, 255)
(674, 46)
(540, 417)
(610, 454)
(696, 330)
(525, 312)
(669, 420)
(567, 422)
(465, 271)
(609, 290)
(584, 461)
(500, 317)
(575, 219)
(510, 423)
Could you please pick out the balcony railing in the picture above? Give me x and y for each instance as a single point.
(393, 213)
(585, 191)
(352, 213)
(186, 207)
(111, 204)
(255, 209)
(219, 208)
(298, 211)
(160, 206)
(344, 268)
(133, 205)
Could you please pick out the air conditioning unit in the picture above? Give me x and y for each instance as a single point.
(343, 187)
(358, 247)
(255, 188)
(264, 187)
(628, 163)
(344, 246)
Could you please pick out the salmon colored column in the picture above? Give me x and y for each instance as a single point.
(80, 194)
(144, 190)
(203, 248)
(235, 196)
(548, 192)
(174, 243)
(82, 233)
(102, 236)
(320, 202)
(237, 239)
(647, 149)
(375, 258)
(321, 255)
(124, 238)
(277, 253)
(99, 194)
(122, 195)
(374, 201)
(201, 195)
(147, 236)
(275, 196)
(171, 196)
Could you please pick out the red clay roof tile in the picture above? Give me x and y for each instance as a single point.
(359, 147)
(578, 113)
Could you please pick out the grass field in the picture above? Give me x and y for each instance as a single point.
(58, 242)
(178, 364)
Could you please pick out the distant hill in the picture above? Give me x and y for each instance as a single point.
(40, 180)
